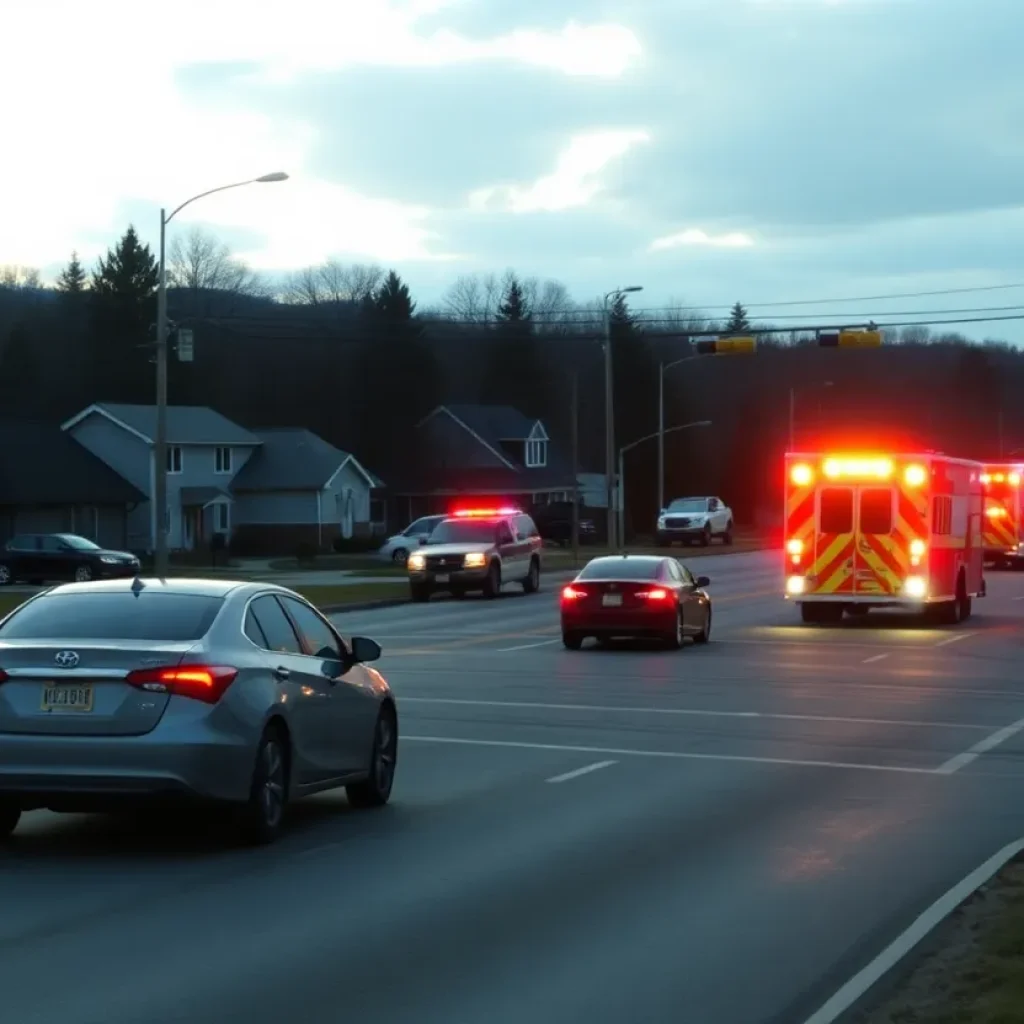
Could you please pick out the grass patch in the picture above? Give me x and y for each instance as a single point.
(356, 593)
(8, 602)
(976, 975)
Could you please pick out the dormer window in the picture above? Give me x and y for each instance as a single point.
(536, 453)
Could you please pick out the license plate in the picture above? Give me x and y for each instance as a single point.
(67, 698)
(442, 577)
(612, 600)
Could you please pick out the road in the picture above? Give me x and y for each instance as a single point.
(718, 835)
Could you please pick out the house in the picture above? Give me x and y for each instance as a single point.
(51, 484)
(285, 488)
(483, 451)
(297, 489)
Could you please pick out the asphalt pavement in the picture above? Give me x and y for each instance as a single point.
(718, 835)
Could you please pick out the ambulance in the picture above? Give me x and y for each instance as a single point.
(883, 531)
(1003, 535)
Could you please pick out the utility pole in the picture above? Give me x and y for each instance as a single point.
(575, 468)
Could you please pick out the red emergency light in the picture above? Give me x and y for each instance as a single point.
(486, 513)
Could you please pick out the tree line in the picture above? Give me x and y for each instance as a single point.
(344, 350)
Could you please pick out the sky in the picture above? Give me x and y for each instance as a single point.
(710, 151)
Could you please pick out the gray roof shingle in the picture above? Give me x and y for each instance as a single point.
(494, 423)
(42, 465)
(290, 459)
(186, 424)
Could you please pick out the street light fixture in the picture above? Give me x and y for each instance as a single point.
(160, 441)
(609, 409)
(659, 434)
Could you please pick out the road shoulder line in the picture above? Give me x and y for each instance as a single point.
(865, 979)
(990, 742)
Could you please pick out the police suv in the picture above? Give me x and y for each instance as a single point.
(477, 549)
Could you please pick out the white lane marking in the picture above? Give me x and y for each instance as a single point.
(1021, 598)
(692, 712)
(865, 978)
(671, 754)
(585, 770)
(526, 647)
(954, 639)
(954, 764)
(871, 661)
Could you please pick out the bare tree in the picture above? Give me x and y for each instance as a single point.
(14, 276)
(333, 282)
(201, 262)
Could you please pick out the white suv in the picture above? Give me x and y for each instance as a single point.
(695, 521)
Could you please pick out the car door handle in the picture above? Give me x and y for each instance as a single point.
(282, 673)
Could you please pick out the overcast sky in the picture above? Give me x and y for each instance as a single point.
(709, 150)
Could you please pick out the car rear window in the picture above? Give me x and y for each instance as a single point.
(621, 569)
(119, 616)
(462, 531)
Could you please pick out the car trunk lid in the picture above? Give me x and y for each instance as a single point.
(81, 690)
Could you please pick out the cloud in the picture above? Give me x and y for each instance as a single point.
(575, 180)
(695, 236)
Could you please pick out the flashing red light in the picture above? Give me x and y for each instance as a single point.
(572, 594)
(486, 513)
(207, 683)
(657, 594)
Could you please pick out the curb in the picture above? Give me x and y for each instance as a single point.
(852, 995)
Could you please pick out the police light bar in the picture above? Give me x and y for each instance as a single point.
(486, 513)
(876, 468)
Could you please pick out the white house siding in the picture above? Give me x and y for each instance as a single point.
(199, 469)
(346, 502)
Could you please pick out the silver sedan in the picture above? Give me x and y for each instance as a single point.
(121, 693)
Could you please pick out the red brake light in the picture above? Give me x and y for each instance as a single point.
(657, 594)
(572, 594)
(200, 682)
(3, 676)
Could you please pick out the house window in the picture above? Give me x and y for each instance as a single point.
(174, 458)
(222, 517)
(536, 454)
(222, 460)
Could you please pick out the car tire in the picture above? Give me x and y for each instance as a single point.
(6, 576)
(704, 636)
(419, 592)
(674, 640)
(83, 574)
(492, 585)
(705, 537)
(727, 536)
(264, 814)
(10, 815)
(572, 641)
(400, 555)
(532, 582)
(375, 789)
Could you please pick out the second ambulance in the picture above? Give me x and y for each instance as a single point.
(1003, 535)
(883, 531)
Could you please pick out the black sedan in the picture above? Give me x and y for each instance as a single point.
(636, 596)
(61, 557)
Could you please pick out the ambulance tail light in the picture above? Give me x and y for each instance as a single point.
(918, 549)
(795, 550)
(1013, 479)
(996, 512)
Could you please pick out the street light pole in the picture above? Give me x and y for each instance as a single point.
(660, 434)
(159, 513)
(662, 367)
(609, 414)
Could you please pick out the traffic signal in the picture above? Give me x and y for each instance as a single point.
(850, 339)
(726, 346)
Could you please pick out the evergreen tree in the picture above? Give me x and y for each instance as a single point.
(123, 299)
(515, 372)
(72, 279)
(738, 321)
(398, 373)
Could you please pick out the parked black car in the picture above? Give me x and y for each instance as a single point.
(554, 521)
(59, 557)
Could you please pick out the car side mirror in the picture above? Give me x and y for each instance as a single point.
(364, 649)
(703, 581)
